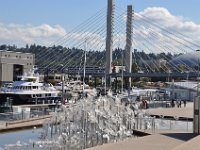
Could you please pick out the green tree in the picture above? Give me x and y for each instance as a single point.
(181, 67)
(135, 68)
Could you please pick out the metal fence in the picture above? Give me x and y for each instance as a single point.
(156, 125)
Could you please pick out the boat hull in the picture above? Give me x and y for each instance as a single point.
(21, 99)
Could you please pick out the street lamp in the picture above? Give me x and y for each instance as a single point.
(62, 79)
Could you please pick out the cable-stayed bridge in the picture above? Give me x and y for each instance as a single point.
(111, 31)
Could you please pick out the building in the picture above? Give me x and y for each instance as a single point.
(13, 64)
(184, 90)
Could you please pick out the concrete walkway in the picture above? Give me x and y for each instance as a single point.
(151, 142)
(23, 124)
(170, 140)
(186, 112)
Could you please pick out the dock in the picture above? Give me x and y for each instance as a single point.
(24, 124)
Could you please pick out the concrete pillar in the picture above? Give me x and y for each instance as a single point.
(196, 120)
(128, 50)
(109, 37)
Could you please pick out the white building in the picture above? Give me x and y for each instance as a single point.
(184, 90)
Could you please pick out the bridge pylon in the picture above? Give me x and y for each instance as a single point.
(109, 36)
(128, 47)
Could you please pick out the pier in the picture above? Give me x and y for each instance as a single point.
(24, 124)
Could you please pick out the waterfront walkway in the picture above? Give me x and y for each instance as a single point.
(161, 139)
(182, 112)
(24, 124)
(158, 140)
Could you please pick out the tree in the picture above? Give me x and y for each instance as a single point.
(135, 67)
(181, 67)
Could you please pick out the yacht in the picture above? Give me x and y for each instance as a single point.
(73, 89)
(29, 90)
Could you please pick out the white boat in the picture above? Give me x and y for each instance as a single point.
(59, 87)
(29, 91)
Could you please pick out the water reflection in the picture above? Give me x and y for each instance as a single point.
(24, 136)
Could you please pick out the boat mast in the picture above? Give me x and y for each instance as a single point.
(122, 71)
(84, 65)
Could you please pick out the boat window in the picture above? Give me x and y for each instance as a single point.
(39, 95)
(57, 77)
(34, 87)
(48, 94)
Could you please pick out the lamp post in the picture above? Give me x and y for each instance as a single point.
(62, 79)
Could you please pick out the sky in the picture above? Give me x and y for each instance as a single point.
(41, 21)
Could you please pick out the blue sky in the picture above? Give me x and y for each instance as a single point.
(44, 21)
(69, 13)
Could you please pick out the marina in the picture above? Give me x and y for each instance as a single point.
(123, 79)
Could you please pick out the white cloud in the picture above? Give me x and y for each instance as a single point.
(92, 41)
(21, 34)
(47, 35)
(155, 25)
(145, 32)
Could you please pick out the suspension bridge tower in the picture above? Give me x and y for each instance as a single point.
(128, 47)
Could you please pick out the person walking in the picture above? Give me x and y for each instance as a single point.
(184, 103)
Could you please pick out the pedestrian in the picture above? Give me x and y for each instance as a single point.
(184, 103)
(172, 103)
(177, 103)
(180, 103)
